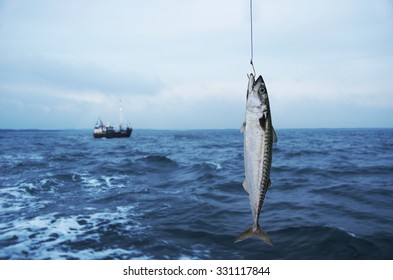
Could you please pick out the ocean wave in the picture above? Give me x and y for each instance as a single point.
(303, 153)
(159, 161)
(187, 136)
(13, 200)
(204, 172)
(99, 182)
(97, 232)
(204, 167)
(325, 242)
(19, 162)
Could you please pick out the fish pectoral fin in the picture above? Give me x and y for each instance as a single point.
(275, 139)
(243, 127)
(262, 122)
(269, 184)
(258, 233)
(246, 187)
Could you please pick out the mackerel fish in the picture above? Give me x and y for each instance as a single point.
(259, 136)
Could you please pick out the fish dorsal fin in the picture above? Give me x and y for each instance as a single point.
(243, 127)
(246, 187)
(275, 139)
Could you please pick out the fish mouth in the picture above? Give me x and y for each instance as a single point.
(251, 80)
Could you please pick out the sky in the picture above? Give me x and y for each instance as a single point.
(178, 64)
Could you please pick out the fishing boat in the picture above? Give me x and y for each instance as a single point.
(122, 130)
(109, 131)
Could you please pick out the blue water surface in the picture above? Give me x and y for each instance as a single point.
(179, 195)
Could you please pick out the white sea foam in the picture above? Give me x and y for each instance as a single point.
(19, 158)
(99, 182)
(15, 199)
(215, 164)
(49, 232)
(113, 181)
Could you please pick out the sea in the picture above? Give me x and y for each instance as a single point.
(174, 195)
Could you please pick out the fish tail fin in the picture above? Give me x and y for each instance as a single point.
(252, 232)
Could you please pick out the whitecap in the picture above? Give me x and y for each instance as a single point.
(112, 181)
(14, 199)
(342, 229)
(215, 164)
(86, 179)
(347, 232)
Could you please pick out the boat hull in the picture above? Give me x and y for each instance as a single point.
(114, 134)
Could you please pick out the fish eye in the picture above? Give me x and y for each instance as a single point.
(261, 90)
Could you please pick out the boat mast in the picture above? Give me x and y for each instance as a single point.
(121, 114)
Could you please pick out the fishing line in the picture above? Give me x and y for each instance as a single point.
(252, 40)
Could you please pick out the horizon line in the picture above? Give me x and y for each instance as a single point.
(187, 129)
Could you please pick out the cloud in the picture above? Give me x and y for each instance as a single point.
(183, 64)
(189, 104)
(85, 77)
